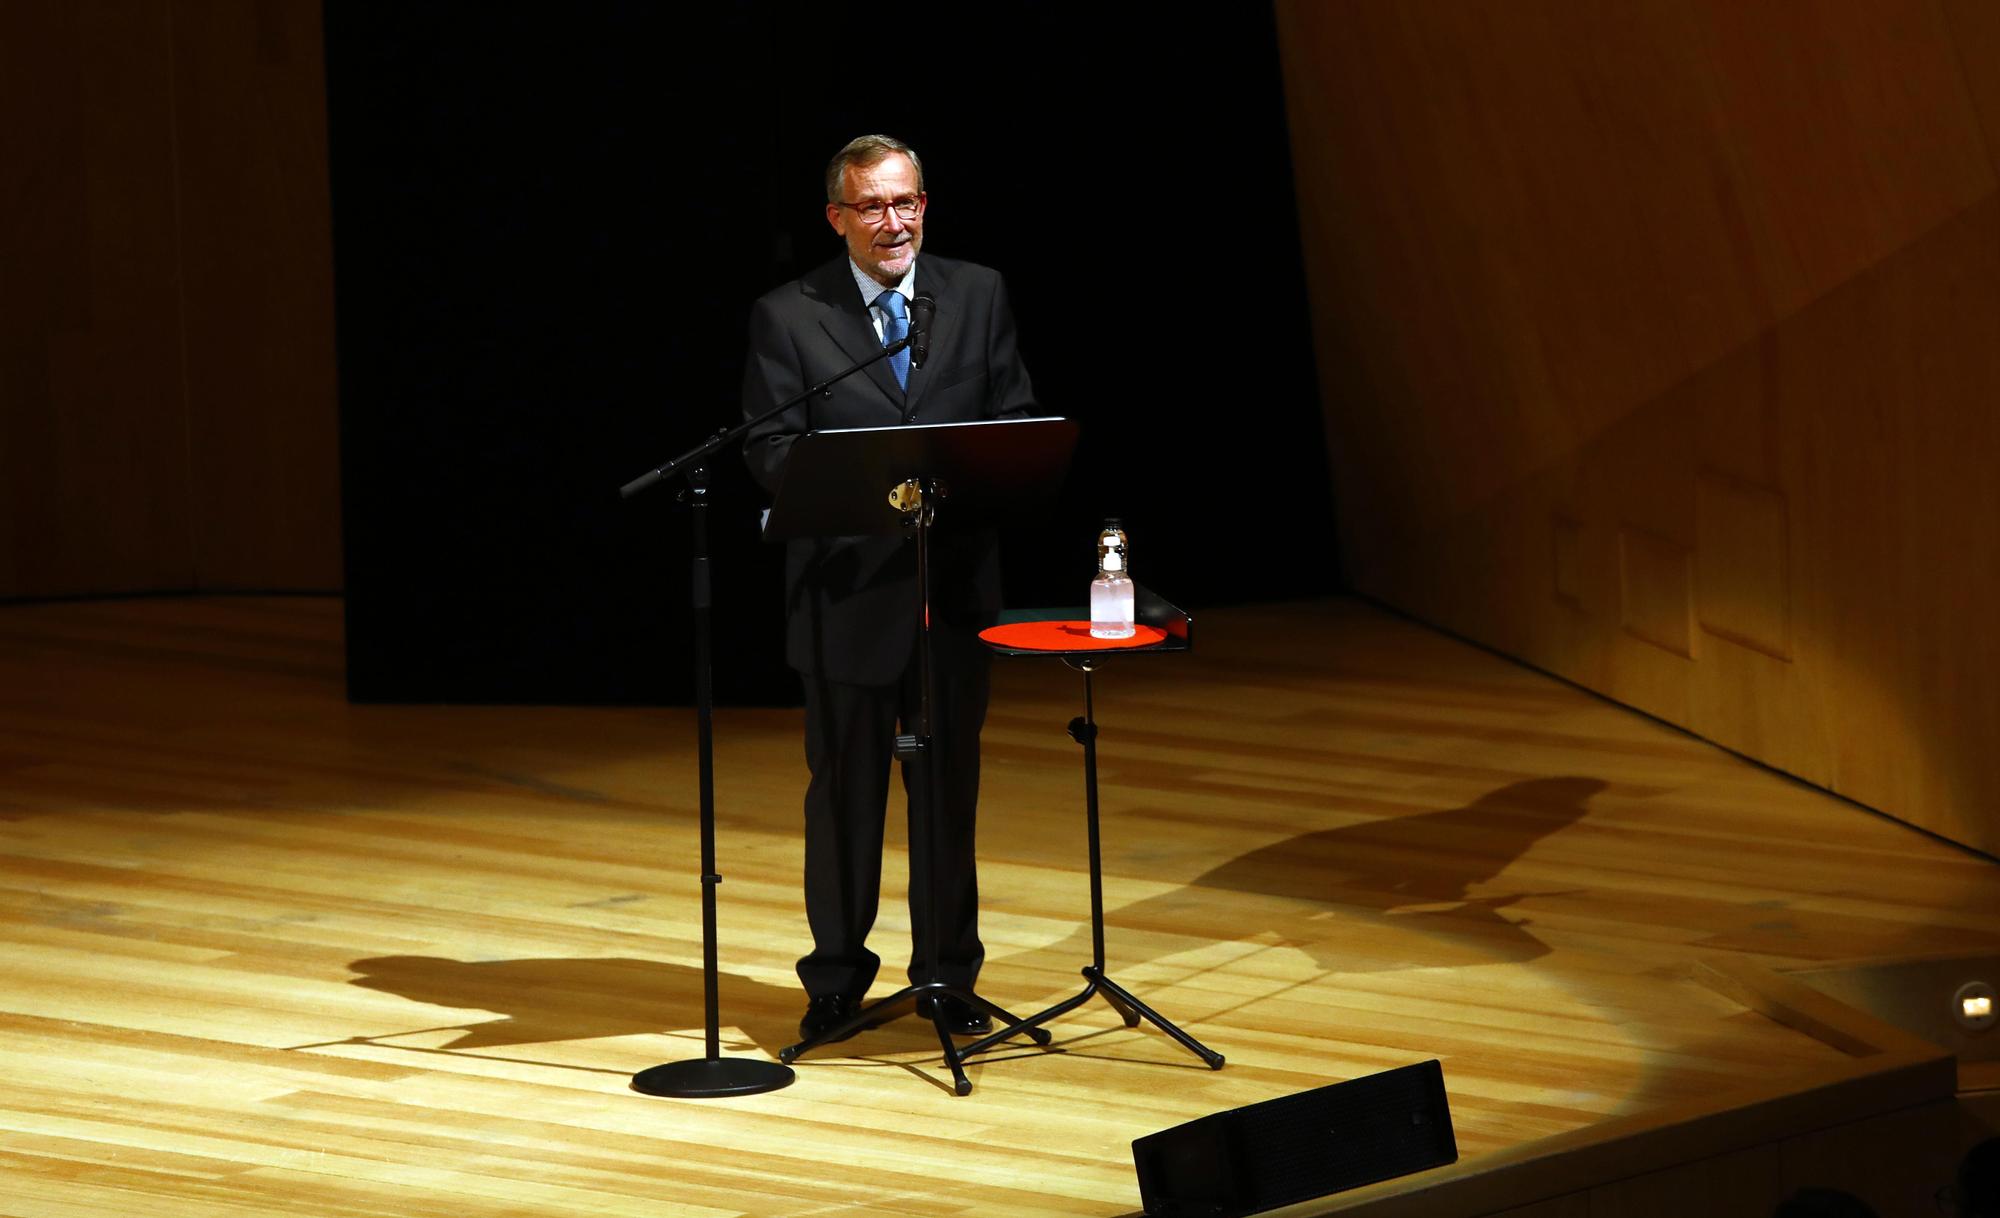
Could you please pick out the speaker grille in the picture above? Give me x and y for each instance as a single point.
(1298, 1146)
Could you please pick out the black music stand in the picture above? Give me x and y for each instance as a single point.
(1149, 609)
(885, 480)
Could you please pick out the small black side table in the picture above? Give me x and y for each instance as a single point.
(1065, 635)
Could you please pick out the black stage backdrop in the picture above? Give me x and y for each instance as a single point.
(550, 220)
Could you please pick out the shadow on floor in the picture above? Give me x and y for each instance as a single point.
(1386, 894)
(552, 1000)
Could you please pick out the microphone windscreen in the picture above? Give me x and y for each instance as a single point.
(922, 309)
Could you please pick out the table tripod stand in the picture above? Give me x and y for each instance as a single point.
(1178, 631)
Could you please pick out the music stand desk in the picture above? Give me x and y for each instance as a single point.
(884, 480)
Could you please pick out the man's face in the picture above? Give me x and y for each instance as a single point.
(886, 248)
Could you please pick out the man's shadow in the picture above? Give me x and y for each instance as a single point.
(1404, 892)
(541, 1001)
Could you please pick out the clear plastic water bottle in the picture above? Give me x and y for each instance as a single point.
(1111, 591)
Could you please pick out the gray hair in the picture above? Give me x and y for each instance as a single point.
(862, 153)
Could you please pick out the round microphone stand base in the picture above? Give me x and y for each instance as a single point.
(711, 1077)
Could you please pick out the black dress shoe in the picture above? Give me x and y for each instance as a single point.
(961, 1018)
(825, 1011)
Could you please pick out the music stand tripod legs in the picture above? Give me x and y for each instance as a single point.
(1083, 730)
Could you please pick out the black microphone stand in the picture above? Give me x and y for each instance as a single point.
(713, 1075)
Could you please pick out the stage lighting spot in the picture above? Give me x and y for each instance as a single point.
(1973, 1006)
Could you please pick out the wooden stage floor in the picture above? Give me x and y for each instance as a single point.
(267, 953)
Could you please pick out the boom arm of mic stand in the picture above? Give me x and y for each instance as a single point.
(729, 436)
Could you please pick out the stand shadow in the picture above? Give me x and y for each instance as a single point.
(548, 1000)
(1387, 894)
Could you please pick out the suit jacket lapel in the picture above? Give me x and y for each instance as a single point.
(846, 321)
(933, 279)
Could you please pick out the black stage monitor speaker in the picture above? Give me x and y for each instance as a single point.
(1298, 1146)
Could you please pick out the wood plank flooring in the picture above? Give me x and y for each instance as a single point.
(268, 953)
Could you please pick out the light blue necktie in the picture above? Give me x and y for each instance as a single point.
(896, 327)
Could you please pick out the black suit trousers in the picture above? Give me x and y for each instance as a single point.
(850, 742)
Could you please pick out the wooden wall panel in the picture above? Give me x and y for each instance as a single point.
(1894, 1163)
(93, 454)
(1739, 1185)
(167, 413)
(1575, 1205)
(1657, 347)
(256, 237)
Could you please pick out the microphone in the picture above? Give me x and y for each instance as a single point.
(921, 311)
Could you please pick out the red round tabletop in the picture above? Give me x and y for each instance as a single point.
(1065, 636)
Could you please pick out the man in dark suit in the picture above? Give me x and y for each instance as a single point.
(852, 602)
